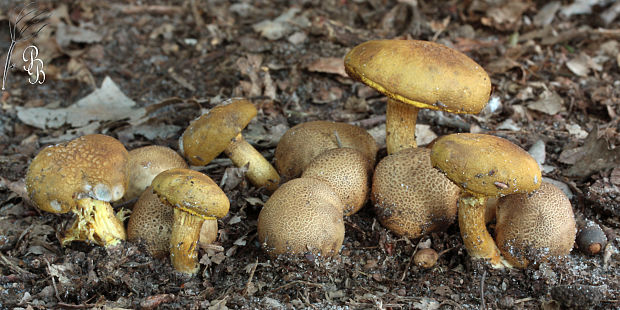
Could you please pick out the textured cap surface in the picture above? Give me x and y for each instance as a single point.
(425, 74)
(147, 162)
(151, 220)
(485, 165)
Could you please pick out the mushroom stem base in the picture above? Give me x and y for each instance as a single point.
(400, 120)
(184, 241)
(260, 172)
(95, 221)
(476, 237)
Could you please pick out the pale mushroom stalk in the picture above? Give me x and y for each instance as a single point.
(400, 121)
(260, 171)
(96, 221)
(184, 241)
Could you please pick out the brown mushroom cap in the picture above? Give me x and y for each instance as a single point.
(192, 192)
(421, 73)
(348, 173)
(426, 258)
(534, 226)
(486, 165)
(300, 144)
(206, 137)
(147, 162)
(303, 215)
(410, 197)
(88, 166)
(151, 220)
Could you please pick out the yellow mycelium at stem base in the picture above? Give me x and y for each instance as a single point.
(95, 221)
(184, 241)
(400, 123)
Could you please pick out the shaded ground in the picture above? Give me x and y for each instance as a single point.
(556, 77)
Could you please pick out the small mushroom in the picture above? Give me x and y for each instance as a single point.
(591, 239)
(151, 221)
(426, 258)
(410, 197)
(348, 173)
(300, 144)
(417, 75)
(483, 166)
(82, 176)
(195, 198)
(220, 131)
(147, 162)
(303, 215)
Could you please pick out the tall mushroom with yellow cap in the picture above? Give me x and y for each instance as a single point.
(220, 131)
(417, 75)
(483, 166)
(82, 176)
(195, 198)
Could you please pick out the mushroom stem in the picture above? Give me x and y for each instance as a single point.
(400, 123)
(95, 221)
(477, 240)
(184, 241)
(260, 172)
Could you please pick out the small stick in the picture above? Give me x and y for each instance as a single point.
(247, 285)
(483, 305)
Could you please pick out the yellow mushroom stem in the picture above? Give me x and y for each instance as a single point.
(260, 172)
(96, 222)
(184, 241)
(476, 237)
(400, 120)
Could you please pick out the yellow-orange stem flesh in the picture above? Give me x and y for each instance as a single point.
(95, 222)
(400, 120)
(260, 172)
(184, 242)
(476, 237)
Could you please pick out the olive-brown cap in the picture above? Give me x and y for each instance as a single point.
(192, 192)
(147, 162)
(151, 220)
(300, 144)
(207, 136)
(347, 171)
(485, 165)
(534, 226)
(88, 166)
(303, 215)
(410, 197)
(424, 74)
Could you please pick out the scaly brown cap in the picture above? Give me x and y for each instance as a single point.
(151, 220)
(147, 162)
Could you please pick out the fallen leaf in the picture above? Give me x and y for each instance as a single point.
(506, 16)
(596, 154)
(333, 65)
(66, 34)
(549, 102)
(546, 14)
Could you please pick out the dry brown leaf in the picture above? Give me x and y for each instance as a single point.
(333, 65)
(506, 16)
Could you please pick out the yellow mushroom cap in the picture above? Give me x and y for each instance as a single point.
(151, 220)
(303, 215)
(486, 165)
(534, 226)
(424, 74)
(348, 173)
(206, 137)
(300, 144)
(88, 166)
(410, 197)
(192, 192)
(147, 162)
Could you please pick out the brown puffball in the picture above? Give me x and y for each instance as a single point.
(532, 227)
(147, 162)
(303, 215)
(410, 197)
(425, 258)
(347, 171)
(151, 220)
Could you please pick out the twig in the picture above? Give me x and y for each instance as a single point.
(72, 306)
(402, 278)
(526, 299)
(452, 303)
(296, 282)
(200, 23)
(150, 9)
(247, 285)
(369, 122)
(483, 305)
(49, 270)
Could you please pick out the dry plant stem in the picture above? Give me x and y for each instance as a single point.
(95, 221)
(184, 241)
(260, 172)
(400, 123)
(477, 240)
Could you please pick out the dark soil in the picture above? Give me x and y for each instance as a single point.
(555, 82)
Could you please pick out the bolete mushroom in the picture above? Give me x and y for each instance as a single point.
(303, 215)
(151, 221)
(535, 226)
(300, 144)
(195, 198)
(220, 131)
(145, 163)
(417, 75)
(347, 171)
(410, 197)
(82, 176)
(483, 166)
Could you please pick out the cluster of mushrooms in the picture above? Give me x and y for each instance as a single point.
(325, 171)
